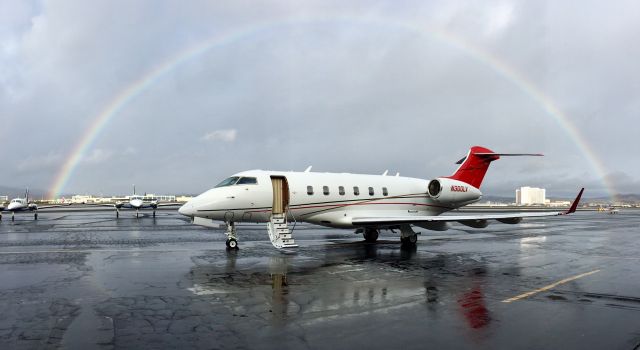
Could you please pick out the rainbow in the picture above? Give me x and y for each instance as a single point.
(139, 86)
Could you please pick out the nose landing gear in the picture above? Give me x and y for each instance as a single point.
(232, 239)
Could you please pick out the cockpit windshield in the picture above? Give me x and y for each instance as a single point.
(228, 182)
(247, 181)
(237, 180)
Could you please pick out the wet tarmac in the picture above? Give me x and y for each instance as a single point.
(86, 280)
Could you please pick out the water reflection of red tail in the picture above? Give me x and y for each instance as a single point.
(474, 309)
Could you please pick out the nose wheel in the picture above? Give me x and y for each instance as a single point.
(232, 243)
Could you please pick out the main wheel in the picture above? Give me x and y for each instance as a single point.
(370, 235)
(35, 216)
(409, 240)
(232, 243)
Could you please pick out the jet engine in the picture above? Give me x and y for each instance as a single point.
(118, 205)
(449, 191)
(33, 206)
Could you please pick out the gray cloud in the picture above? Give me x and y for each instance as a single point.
(227, 135)
(304, 82)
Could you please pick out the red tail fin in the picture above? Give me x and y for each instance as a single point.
(474, 166)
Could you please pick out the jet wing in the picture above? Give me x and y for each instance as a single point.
(99, 204)
(53, 206)
(503, 217)
(396, 220)
(169, 204)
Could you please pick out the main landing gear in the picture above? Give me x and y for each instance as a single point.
(408, 237)
(232, 239)
(370, 235)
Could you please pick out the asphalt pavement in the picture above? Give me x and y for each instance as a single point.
(82, 279)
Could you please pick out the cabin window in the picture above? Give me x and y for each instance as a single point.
(325, 190)
(385, 192)
(356, 191)
(341, 190)
(228, 181)
(247, 181)
(371, 191)
(310, 190)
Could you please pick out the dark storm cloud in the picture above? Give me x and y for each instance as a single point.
(359, 87)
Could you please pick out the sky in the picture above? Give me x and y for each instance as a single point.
(192, 92)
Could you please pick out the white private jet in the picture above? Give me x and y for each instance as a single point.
(23, 204)
(367, 203)
(138, 202)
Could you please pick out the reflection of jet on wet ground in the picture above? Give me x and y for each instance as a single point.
(23, 204)
(139, 202)
(367, 203)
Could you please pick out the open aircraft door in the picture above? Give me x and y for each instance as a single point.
(278, 227)
(280, 195)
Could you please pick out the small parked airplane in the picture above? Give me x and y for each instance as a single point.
(23, 204)
(138, 202)
(367, 203)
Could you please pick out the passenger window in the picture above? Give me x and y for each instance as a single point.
(371, 191)
(247, 181)
(385, 192)
(341, 190)
(325, 190)
(356, 191)
(310, 190)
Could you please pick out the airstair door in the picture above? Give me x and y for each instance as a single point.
(277, 227)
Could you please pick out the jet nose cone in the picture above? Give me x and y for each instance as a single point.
(187, 209)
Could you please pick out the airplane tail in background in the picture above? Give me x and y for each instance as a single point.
(475, 164)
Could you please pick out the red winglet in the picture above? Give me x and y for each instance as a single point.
(574, 205)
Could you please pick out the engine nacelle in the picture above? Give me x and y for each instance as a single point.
(119, 205)
(33, 206)
(449, 191)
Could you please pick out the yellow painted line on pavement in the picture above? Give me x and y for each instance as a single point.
(553, 285)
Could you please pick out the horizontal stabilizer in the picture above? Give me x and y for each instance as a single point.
(490, 154)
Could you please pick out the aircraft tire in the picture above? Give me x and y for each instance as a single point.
(35, 216)
(370, 235)
(232, 243)
(409, 241)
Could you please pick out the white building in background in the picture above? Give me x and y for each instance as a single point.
(530, 195)
(4, 199)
